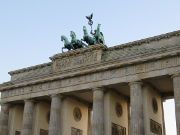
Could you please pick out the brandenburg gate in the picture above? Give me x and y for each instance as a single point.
(96, 91)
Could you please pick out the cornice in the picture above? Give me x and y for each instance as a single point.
(29, 68)
(79, 51)
(177, 74)
(103, 65)
(97, 47)
(99, 68)
(146, 40)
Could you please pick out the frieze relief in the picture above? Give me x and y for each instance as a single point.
(92, 77)
(161, 44)
(77, 61)
(93, 56)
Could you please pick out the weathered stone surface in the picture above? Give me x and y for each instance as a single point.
(55, 116)
(125, 74)
(78, 58)
(176, 83)
(31, 72)
(28, 118)
(80, 70)
(83, 57)
(98, 112)
(136, 99)
(4, 115)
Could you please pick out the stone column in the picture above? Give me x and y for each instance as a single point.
(4, 117)
(55, 116)
(28, 118)
(136, 102)
(176, 85)
(98, 112)
(164, 128)
(89, 121)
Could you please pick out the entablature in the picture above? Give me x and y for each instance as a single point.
(98, 58)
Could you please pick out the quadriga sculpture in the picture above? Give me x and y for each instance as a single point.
(88, 39)
(75, 42)
(67, 44)
(97, 38)
(98, 35)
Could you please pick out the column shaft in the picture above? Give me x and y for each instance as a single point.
(176, 84)
(4, 116)
(28, 118)
(136, 102)
(55, 116)
(89, 121)
(163, 120)
(98, 112)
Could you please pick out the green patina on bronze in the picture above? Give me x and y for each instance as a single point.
(95, 38)
(76, 43)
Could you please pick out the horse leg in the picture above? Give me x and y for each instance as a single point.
(62, 49)
(84, 45)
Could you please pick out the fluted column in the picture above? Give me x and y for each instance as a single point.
(4, 116)
(28, 118)
(98, 112)
(55, 116)
(136, 102)
(176, 85)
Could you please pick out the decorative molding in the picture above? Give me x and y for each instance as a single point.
(78, 51)
(78, 61)
(88, 58)
(136, 82)
(147, 40)
(59, 83)
(177, 74)
(77, 114)
(122, 68)
(30, 68)
(85, 66)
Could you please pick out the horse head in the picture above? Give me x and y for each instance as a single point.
(99, 25)
(65, 39)
(85, 31)
(62, 38)
(72, 34)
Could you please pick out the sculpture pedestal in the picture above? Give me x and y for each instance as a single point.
(77, 58)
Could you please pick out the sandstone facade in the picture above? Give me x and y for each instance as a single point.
(96, 90)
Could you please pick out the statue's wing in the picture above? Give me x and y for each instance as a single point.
(87, 17)
(91, 16)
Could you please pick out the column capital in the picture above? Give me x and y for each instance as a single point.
(99, 88)
(5, 104)
(177, 74)
(136, 82)
(29, 100)
(56, 95)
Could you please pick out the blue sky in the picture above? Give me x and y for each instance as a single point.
(30, 30)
